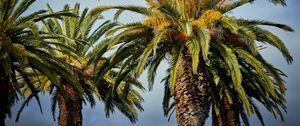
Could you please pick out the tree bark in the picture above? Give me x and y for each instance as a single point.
(229, 115)
(70, 108)
(4, 96)
(191, 96)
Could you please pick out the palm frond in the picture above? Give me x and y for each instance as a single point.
(233, 5)
(266, 23)
(136, 9)
(270, 38)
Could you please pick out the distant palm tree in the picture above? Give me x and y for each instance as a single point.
(211, 55)
(81, 48)
(22, 46)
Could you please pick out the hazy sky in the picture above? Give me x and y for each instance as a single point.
(153, 114)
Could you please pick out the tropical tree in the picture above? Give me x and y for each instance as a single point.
(80, 47)
(22, 47)
(212, 56)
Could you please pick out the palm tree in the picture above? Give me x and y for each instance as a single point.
(22, 47)
(210, 53)
(79, 46)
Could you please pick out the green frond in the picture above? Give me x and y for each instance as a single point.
(25, 102)
(156, 40)
(194, 47)
(256, 64)
(215, 76)
(136, 9)
(53, 104)
(244, 117)
(230, 23)
(134, 82)
(116, 39)
(257, 112)
(87, 25)
(249, 37)
(204, 37)
(208, 4)
(51, 15)
(216, 109)
(147, 51)
(52, 76)
(233, 5)
(167, 94)
(89, 94)
(22, 7)
(228, 95)
(93, 87)
(33, 90)
(46, 85)
(281, 2)
(274, 73)
(29, 17)
(232, 62)
(7, 8)
(97, 52)
(169, 11)
(127, 105)
(142, 60)
(80, 21)
(99, 32)
(123, 26)
(117, 14)
(30, 25)
(270, 38)
(121, 55)
(54, 20)
(154, 63)
(266, 23)
(120, 78)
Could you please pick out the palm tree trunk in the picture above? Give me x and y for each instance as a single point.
(4, 105)
(70, 109)
(229, 115)
(191, 96)
(4, 95)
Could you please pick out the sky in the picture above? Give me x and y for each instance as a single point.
(153, 114)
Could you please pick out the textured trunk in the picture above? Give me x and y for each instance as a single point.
(70, 113)
(228, 116)
(191, 96)
(4, 96)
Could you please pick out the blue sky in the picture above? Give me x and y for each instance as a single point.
(153, 114)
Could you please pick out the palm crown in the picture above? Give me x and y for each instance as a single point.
(78, 45)
(224, 45)
(22, 47)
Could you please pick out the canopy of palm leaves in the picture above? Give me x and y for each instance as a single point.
(80, 47)
(23, 46)
(227, 45)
